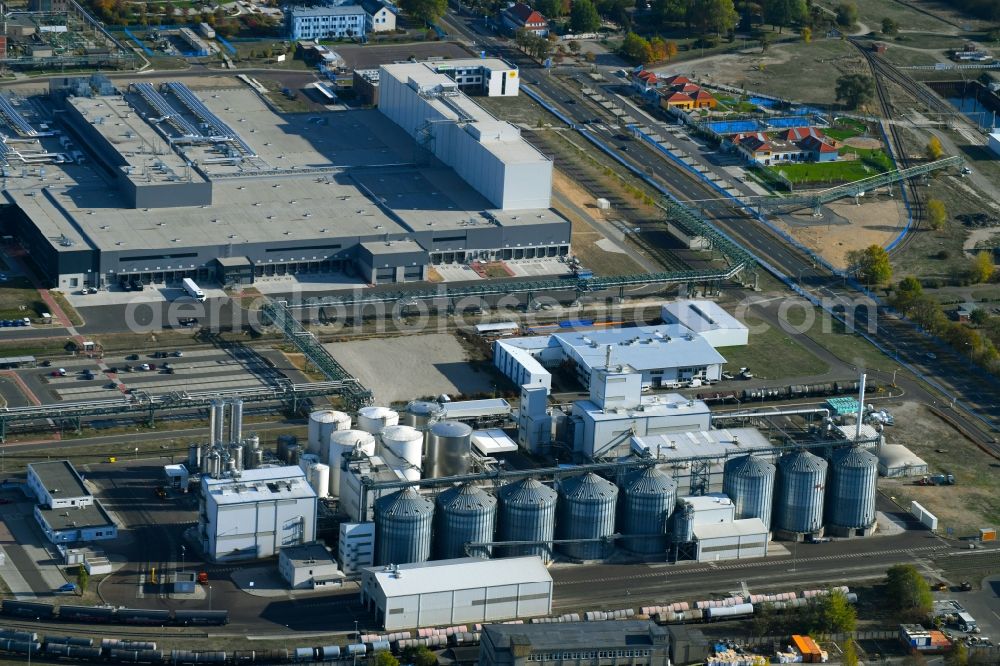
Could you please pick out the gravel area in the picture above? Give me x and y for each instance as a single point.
(404, 368)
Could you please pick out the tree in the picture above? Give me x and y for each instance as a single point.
(871, 264)
(855, 89)
(765, 41)
(552, 8)
(712, 16)
(807, 34)
(636, 48)
(907, 293)
(915, 659)
(574, 46)
(850, 655)
(907, 592)
(959, 655)
(668, 11)
(419, 656)
(783, 13)
(671, 50)
(428, 11)
(937, 214)
(837, 615)
(385, 659)
(934, 149)
(583, 16)
(979, 317)
(982, 267)
(82, 579)
(889, 27)
(658, 49)
(847, 14)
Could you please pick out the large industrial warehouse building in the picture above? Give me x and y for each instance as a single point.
(456, 591)
(161, 182)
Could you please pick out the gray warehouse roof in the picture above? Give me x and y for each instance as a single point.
(458, 574)
(576, 635)
(60, 478)
(76, 517)
(255, 485)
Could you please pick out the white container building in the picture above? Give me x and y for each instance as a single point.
(707, 319)
(448, 592)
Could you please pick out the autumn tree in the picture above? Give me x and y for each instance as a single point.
(871, 264)
(937, 214)
(636, 48)
(907, 592)
(807, 34)
(982, 267)
(934, 149)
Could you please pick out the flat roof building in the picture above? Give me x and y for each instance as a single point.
(163, 182)
(56, 484)
(254, 515)
(308, 566)
(456, 591)
(707, 319)
(66, 510)
(608, 643)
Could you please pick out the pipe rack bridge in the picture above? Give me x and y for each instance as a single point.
(142, 404)
(355, 395)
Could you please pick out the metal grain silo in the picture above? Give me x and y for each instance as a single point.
(799, 501)
(449, 449)
(527, 513)
(749, 482)
(850, 500)
(648, 497)
(465, 514)
(403, 527)
(421, 414)
(683, 531)
(586, 511)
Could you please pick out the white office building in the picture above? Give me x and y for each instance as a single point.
(707, 319)
(449, 592)
(308, 566)
(325, 22)
(66, 511)
(665, 356)
(254, 515)
(489, 154)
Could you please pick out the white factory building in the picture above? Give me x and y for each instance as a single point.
(665, 356)
(489, 154)
(66, 510)
(717, 535)
(256, 513)
(449, 592)
(707, 319)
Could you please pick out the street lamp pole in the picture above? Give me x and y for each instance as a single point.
(209, 597)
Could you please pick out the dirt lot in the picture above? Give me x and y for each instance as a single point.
(399, 369)
(965, 507)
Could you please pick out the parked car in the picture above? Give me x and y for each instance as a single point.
(145, 366)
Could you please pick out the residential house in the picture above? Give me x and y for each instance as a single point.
(676, 100)
(645, 81)
(679, 92)
(758, 147)
(380, 16)
(819, 150)
(520, 16)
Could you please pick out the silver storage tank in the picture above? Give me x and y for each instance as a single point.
(683, 523)
(799, 500)
(194, 458)
(749, 482)
(527, 513)
(648, 497)
(449, 449)
(850, 500)
(586, 511)
(465, 514)
(403, 527)
(284, 441)
(420, 414)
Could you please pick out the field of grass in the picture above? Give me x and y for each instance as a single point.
(19, 299)
(871, 13)
(826, 172)
(773, 354)
(68, 310)
(809, 71)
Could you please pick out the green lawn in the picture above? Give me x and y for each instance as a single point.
(840, 134)
(17, 293)
(773, 354)
(826, 172)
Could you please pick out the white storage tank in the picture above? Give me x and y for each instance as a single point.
(343, 442)
(319, 479)
(307, 460)
(321, 424)
(403, 446)
(373, 419)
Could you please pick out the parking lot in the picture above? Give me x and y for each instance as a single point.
(155, 373)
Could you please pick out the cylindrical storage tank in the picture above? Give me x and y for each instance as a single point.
(800, 485)
(343, 442)
(236, 422)
(648, 497)
(684, 523)
(403, 527)
(236, 453)
(194, 457)
(256, 459)
(406, 446)
(527, 512)
(319, 479)
(206, 465)
(284, 441)
(465, 514)
(219, 423)
(307, 460)
(215, 464)
(323, 422)
(586, 511)
(749, 481)
(420, 414)
(449, 449)
(293, 453)
(850, 501)
(373, 419)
